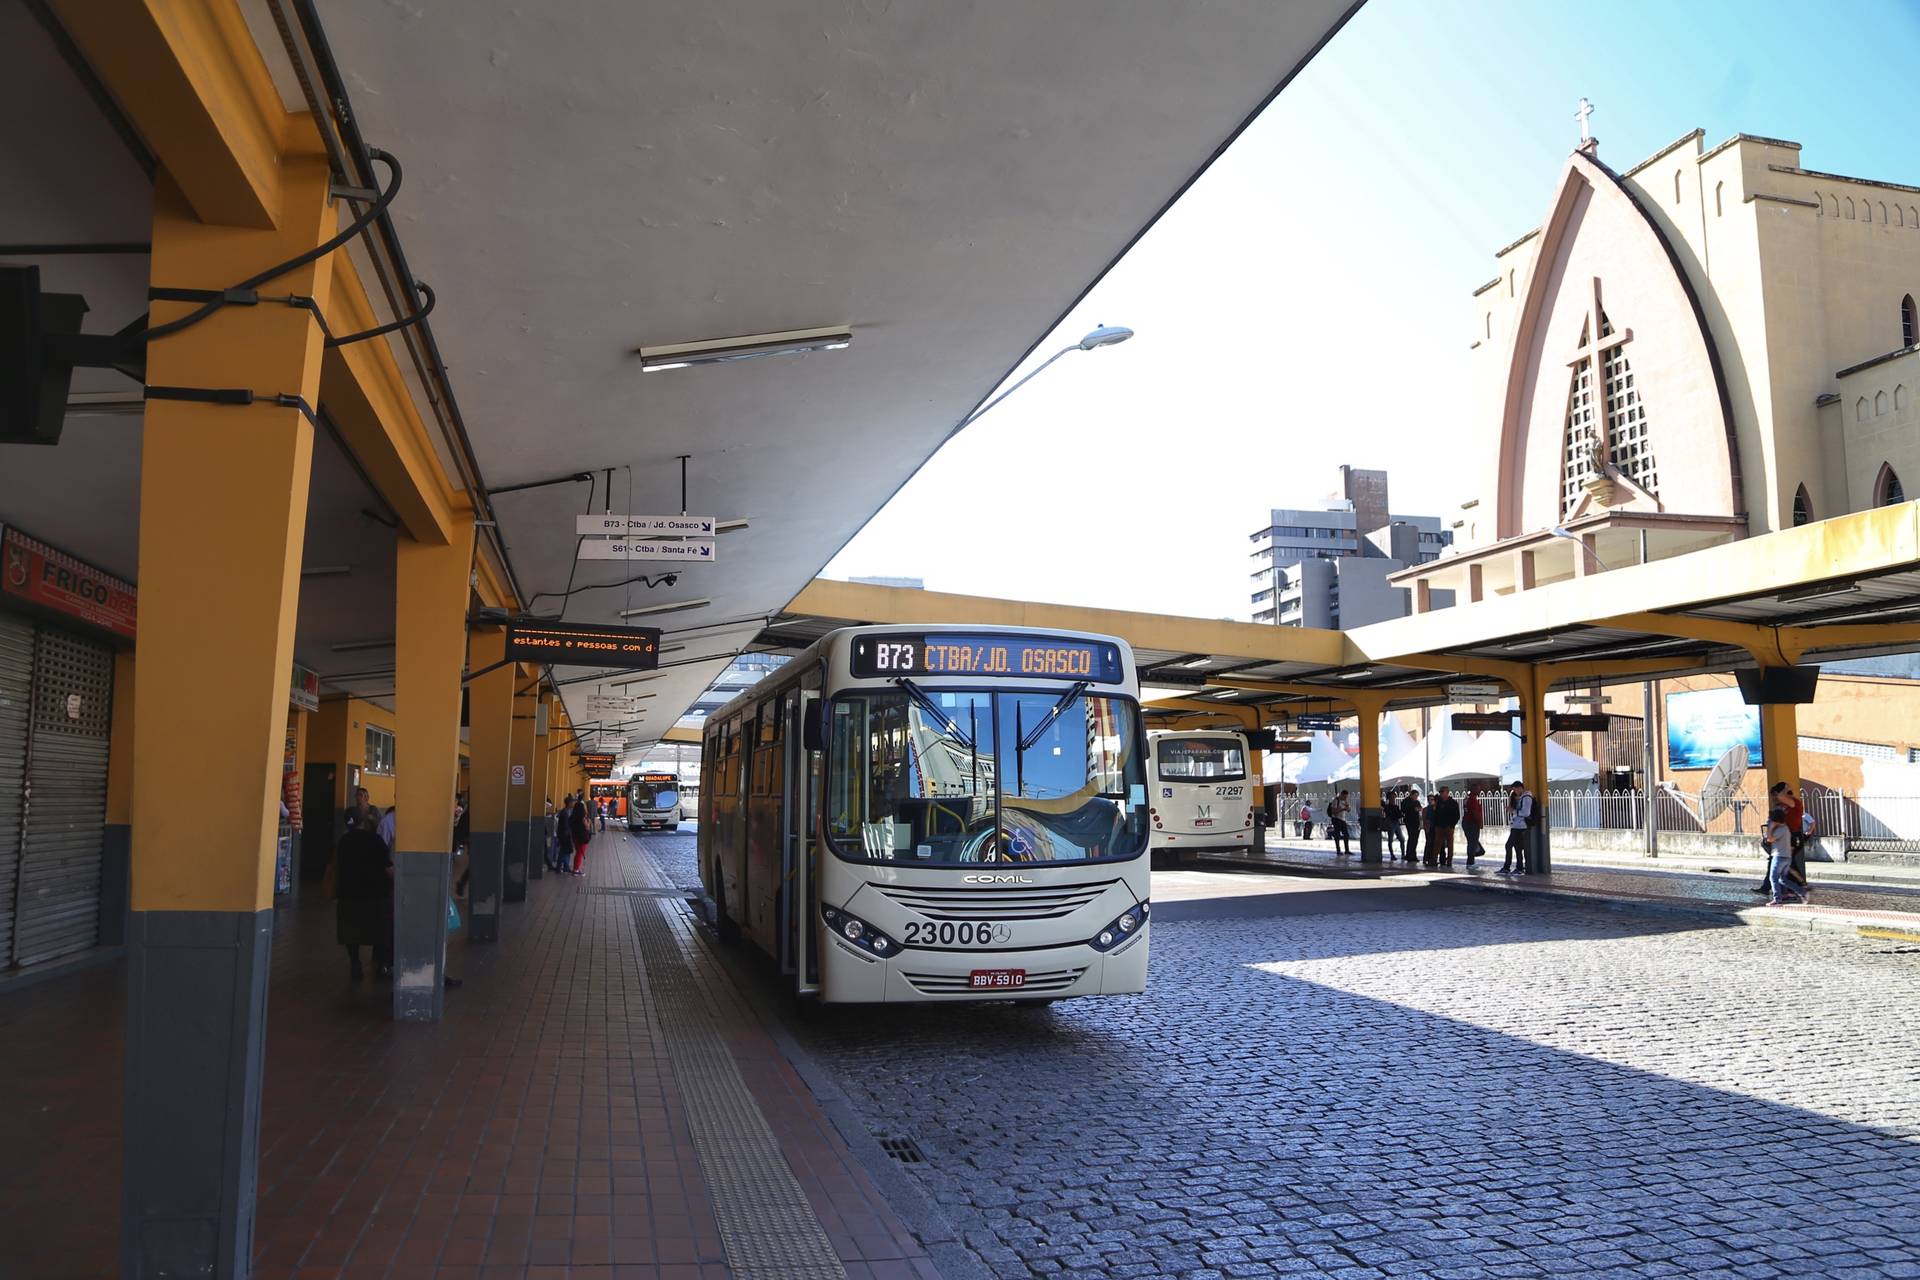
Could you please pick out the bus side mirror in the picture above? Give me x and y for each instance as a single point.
(1262, 739)
(813, 725)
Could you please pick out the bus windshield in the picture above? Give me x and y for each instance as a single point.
(1200, 760)
(654, 795)
(952, 777)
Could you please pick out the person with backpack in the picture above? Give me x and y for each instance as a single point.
(1520, 820)
(581, 833)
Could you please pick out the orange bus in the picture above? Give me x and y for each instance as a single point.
(612, 793)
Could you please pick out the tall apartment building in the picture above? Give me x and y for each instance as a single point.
(1329, 567)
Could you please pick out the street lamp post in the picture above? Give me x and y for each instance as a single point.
(1105, 335)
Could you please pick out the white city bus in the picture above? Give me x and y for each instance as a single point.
(935, 814)
(1202, 799)
(653, 800)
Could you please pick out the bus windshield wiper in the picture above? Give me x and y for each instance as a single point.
(1079, 687)
(932, 708)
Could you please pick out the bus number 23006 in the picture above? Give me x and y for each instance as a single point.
(947, 934)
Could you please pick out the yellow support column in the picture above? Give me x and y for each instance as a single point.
(1367, 711)
(520, 787)
(116, 849)
(430, 640)
(225, 483)
(1780, 744)
(489, 740)
(1533, 766)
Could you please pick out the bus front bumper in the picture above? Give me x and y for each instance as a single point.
(919, 975)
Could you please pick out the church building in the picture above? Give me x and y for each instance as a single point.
(1714, 343)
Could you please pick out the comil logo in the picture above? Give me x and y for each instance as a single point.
(979, 879)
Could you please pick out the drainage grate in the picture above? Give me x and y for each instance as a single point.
(905, 1150)
(624, 891)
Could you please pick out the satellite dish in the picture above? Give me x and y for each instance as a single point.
(1723, 784)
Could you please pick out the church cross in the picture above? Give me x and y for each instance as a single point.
(1595, 348)
(1586, 110)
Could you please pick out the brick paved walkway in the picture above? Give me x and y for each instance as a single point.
(538, 1131)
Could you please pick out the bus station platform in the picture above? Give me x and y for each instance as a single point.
(598, 1101)
(1877, 905)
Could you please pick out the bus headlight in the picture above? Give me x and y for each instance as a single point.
(858, 932)
(1125, 926)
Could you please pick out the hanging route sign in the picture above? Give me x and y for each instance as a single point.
(608, 525)
(684, 550)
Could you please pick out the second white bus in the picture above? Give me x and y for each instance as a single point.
(1204, 800)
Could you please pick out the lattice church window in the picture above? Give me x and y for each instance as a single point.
(1614, 406)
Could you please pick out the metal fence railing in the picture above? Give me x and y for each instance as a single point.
(1865, 821)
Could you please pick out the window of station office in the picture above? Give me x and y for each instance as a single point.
(379, 750)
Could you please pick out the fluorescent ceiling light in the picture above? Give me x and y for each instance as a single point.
(1519, 646)
(791, 342)
(327, 571)
(1355, 675)
(1197, 662)
(674, 607)
(356, 646)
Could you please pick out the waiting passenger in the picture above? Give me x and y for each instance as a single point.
(1777, 840)
(1519, 822)
(1338, 809)
(1411, 817)
(363, 886)
(1390, 822)
(1446, 816)
(1305, 828)
(581, 832)
(1472, 817)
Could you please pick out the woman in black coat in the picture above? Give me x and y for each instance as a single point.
(363, 884)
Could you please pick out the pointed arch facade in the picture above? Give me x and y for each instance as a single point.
(1657, 391)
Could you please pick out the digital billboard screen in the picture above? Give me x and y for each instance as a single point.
(1704, 724)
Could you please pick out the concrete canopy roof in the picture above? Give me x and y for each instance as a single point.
(1842, 588)
(946, 178)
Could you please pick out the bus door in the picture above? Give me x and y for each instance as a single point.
(797, 851)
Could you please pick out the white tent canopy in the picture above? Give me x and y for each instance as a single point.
(1321, 763)
(1395, 745)
(1497, 755)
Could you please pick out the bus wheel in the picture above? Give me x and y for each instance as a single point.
(724, 924)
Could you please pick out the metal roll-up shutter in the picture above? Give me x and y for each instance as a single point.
(58, 911)
(16, 686)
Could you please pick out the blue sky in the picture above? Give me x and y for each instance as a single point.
(1308, 302)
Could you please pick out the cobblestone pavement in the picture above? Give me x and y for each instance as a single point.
(1392, 1082)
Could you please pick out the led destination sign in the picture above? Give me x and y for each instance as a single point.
(584, 645)
(1033, 657)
